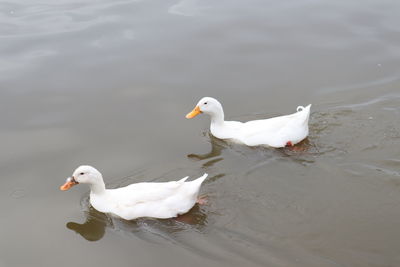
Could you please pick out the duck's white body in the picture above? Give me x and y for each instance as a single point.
(274, 132)
(157, 200)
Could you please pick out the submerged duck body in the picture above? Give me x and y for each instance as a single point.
(156, 200)
(274, 132)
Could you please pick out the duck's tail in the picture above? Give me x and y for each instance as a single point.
(183, 179)
(193, 187)
(305, 112)
(201, 179)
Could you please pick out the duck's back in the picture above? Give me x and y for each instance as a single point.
(158, 200)
(277, 131)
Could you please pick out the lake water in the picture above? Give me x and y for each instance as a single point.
(108, 83)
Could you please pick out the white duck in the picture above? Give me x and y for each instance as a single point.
(279, 131)
(157, 200)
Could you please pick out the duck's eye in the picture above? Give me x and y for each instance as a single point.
(205, 103)
(82, 173)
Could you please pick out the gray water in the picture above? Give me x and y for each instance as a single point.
(108, 83)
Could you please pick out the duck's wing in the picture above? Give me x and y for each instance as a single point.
(146, 192)
(158, 200)
(277, 131)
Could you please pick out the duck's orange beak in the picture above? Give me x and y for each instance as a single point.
(196, 111)
(68, 184)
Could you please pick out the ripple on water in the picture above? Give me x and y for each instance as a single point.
(259, 214)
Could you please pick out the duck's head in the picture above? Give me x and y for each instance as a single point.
(83, 175)
(207, 105)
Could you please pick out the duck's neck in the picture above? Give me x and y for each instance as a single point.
(98, 188)
(218, 118)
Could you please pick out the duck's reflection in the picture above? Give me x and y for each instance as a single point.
(96, 223)
(217, 146)
(303, 153)
(212, 157)
(93, 228)
(302, 147)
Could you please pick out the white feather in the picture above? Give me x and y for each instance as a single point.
(157, 200)
(273, 132)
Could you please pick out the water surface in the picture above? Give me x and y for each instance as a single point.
(107, 83)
